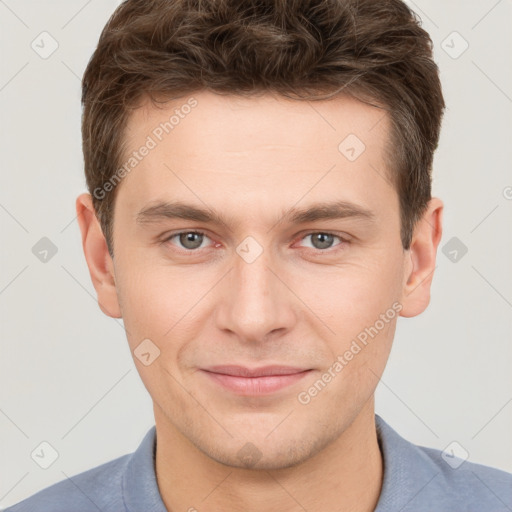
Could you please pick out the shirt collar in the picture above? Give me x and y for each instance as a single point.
(406, 469)
(140, 487)
(399, 486)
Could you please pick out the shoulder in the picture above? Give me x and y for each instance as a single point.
(99, 488)
(423, 479)
(128, 482)
(464, 481)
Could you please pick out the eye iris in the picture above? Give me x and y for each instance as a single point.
(325, 240)
(191, 240)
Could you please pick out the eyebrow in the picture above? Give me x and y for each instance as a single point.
(319, 211)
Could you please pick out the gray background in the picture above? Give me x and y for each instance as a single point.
(66, 373)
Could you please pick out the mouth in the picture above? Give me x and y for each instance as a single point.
(258, 381)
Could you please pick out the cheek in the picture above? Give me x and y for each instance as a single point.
(352, 297)
(158, 300)
(144, 296)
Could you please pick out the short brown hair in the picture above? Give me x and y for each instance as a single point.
(375, 51)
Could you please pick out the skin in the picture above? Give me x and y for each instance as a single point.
(251, 159)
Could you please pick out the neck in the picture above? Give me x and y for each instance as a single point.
(345, 476)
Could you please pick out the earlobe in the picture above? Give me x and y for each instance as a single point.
(422, 263)
(99, 261)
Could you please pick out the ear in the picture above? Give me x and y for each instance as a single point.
(101, 266)
(421, 260)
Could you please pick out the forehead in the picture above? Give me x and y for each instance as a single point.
(237, 123)
(264, 148)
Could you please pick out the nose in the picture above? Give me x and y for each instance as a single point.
(256, 302)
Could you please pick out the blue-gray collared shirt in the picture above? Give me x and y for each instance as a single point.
(416, 479)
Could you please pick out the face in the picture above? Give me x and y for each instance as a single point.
(295, 261)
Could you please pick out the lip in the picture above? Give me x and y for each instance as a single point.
(257, 381)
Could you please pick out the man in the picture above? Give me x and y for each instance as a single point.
(260, 214)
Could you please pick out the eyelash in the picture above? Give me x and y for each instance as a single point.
(343, 241)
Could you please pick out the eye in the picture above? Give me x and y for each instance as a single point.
(188, 240)
(321, 240)
(191, 241)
